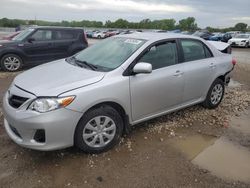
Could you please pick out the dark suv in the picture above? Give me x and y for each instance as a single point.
(39, 45)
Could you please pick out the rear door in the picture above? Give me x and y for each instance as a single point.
(163, 88)
(38, 45)
(65, 42)
(199, 67)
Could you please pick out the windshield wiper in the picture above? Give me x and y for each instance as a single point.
(92, 67)
(81, 63)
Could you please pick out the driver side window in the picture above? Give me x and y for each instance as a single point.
(42, 35)
(161, 55)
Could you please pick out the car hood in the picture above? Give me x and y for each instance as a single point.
(55, 78)
(8, 42)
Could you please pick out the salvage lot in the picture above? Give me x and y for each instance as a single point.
(170, 151)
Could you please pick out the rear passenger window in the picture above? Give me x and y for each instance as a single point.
(64, 35)
(162, 55)
(194, 50)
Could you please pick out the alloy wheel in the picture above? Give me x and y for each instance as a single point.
(12, 63)
(216, 94)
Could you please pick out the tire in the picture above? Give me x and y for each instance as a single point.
(215, 94)
(11, 63)
(247, 45)
(89, 136)
(99, 37)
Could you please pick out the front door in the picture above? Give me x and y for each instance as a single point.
(38, 46)
(160, 90)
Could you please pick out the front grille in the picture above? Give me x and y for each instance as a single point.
(15, 131)
(16, 101)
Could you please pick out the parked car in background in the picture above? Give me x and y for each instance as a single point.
(175, 31)
(39, 45)
(240, 40)
(203, 34)
(234, 33)
(91, 33)
(11, 36)
(125, 32)
(226, 37)
(160, 31)
(100, 35)
(90, 99)
(216, 36)
(111, 32)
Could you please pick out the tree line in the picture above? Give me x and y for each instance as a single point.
(187, 24)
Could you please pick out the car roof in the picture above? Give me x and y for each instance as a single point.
(156, 36)
(56, 27)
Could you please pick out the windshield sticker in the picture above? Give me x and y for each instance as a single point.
(133, 41)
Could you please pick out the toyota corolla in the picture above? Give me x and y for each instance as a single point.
(90, 99)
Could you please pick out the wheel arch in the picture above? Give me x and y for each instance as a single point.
(222, 77)
(119, 108)
(15, 53)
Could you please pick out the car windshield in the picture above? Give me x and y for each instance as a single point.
(242, 36)
(109, 53)
(23, 35)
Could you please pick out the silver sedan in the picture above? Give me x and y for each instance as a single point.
(90, 99)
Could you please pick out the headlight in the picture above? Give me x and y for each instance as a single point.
(1, 45)
(48, 104)
(243, 41)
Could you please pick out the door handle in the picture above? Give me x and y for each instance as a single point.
(212, 65)
(178, 73)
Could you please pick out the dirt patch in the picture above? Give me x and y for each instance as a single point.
(226, 159)
(242, 74)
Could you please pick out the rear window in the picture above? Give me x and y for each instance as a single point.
(65, 34)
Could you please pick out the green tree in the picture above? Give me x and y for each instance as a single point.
(120, 23)
(240, 27)
(187, 24)
(144, 24)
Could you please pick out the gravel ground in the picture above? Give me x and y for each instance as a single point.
(144, 158)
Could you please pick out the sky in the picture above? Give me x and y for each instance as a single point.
(215, 13)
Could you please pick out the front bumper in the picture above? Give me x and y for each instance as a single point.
(239, 44)
(59, 125)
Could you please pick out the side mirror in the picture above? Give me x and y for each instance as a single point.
(142, 68)
(30, 40)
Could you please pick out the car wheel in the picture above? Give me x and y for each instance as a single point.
(215, 94)
(247, 45)
(99, 130)
(11, 63)
(99, 37)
